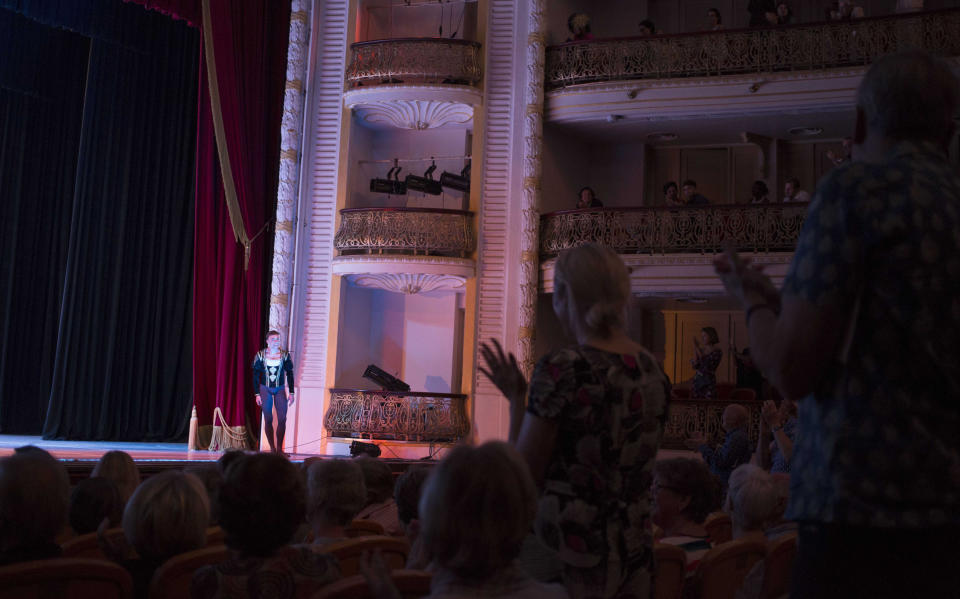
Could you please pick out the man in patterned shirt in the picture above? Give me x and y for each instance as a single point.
(866, 334)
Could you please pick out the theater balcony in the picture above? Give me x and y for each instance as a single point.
(397, 416)
(414, 83)
(788, 70)
(670, 251)
(405, 250)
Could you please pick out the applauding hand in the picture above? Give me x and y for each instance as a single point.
(504, 372)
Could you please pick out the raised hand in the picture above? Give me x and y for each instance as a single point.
(504, 372)
(745, 281)
(770, 413)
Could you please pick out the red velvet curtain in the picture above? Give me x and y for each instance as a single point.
(249, 40)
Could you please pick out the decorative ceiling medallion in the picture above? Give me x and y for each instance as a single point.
(415, 107)
(409, 283)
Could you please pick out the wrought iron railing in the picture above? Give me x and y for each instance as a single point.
(789, 48)
(701, 418)
(405, 230)
(749, 227)
(414, 60)
(402, 416)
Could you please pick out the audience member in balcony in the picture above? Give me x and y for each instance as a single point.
(748, 375)
(671, 194)
(759, 193)
(379, 506)
(591, 429)
(579, 25)
(844, 155)
(647, 28)
(272, 373)
(735, 449)
(587, 198)
(846, 10)
(92, 501)
(119, 467)
(166, 516)
(762, 12)
(336, 493)
(784, 14)
(778, 433)
(706, 359)
(865, 332)
(690, 195)
(34, 495)
(684, 493)
(262, 502)
(792, 191)
(714, 20)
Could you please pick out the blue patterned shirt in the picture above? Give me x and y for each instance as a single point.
(880, 440)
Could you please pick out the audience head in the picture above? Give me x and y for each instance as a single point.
(751, 499)
(578, 23)
(713, 17)
(734, 416)
(670, 192)
(336, 492)
(254, 488)
(407, 493)
(92, 501)
(709, 336)
(477, 507)
(591, 291)
(167, 515)
(34, 497)
(119, 467)
(212, 479)
(783, 11)
(689, 189)
(683, 491)
(907, 96)
(791, 187)
(378, 479)
(759, 190)
(586, 197)
(647, 27)
(781, 484)
(229, 457)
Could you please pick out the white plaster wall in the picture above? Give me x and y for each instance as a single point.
(383, 19)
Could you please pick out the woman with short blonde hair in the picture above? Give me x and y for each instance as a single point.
(119, 467)
(335, 495)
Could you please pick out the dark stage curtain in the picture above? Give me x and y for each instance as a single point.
(120, 240)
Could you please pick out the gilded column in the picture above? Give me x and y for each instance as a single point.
(532, 169)
(291, 142)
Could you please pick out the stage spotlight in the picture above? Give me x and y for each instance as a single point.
(384, 379)
(360, 448)
(426, 183)
(392, 185)
(459, 182)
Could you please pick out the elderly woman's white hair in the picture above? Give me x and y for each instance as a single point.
(591, 290)
(910, 96)
(336, 491)
(751, 499)
(167, 515)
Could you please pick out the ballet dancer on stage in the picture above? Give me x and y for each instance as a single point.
(272, 369)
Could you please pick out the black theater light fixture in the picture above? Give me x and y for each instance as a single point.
(384, 379)
(426, 183)
(392, 185)
(459, 182)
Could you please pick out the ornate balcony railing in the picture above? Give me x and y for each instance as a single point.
(401, 416)
(750, 227)
(789, 48)
(414, 60)
(405, 230)
(700, 418)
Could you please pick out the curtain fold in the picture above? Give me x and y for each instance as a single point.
(247, 65)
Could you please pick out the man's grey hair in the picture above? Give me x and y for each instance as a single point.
(909, 95)
(751, 498)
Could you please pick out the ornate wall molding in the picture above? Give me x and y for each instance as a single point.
(414, 107)
(291, 144)
(403, 273)
(409, 283)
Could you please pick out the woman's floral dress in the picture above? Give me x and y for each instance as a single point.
(705, 379)
(595, 507)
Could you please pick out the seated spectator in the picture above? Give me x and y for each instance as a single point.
(262, 502)
(792, 191)
(684, 494)
(336, 493)
(119, 467)
(748, 375)
(735, 449)
(778, 433)
(845, 154)
(229, 457)
(671, 196)
(714, 20)
(759, 193)
(476, 509)
(166, 516)
(34, 495)
(380, 506)
(587, 198)
(751, 503)
(407, 493)
(784, 14)
(212, 479)
(647, 28)
(92, 501)
(762, 12)
(779, 525)
(846, 10)
(579, 25)
(690, 195)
